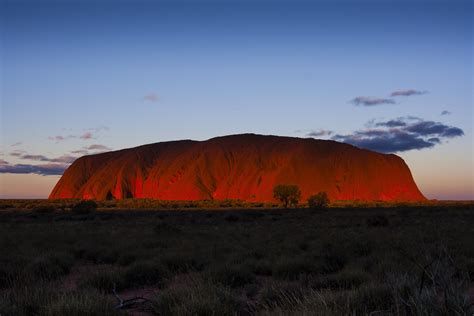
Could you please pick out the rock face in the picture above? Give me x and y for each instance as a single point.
(245, 167)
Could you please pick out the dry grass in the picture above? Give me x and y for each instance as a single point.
(411, 260)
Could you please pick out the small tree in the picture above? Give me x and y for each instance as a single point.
(320, 200)
(84, 207)
(287, 194)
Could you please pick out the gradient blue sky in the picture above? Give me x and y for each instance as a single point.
(126, 73)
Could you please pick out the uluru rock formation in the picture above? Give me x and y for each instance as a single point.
(245, 167)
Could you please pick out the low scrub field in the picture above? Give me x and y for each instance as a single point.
(256, 260)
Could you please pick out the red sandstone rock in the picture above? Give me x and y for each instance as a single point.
(243, 167)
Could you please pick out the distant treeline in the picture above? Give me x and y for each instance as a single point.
(152, 204)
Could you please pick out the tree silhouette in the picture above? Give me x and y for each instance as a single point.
(287, 194)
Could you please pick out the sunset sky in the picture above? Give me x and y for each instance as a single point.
(81, 77)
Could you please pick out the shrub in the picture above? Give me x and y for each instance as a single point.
(347, 279)
(333, 261)
(181, 263)
(49, 267)
(9, 270)
(378, 221)
(233, 276)
(103, 281)
(374, 300)
(287, 194)
(5, 205)
(145, 273)
(369, 298)
(163, 227)
(84, 207)
(29, 299)
(82, 303)
(293, 268)
(320, 200)
(262, 267)
(470, 269)
(44, 209)
(231, 218)
(126, 259)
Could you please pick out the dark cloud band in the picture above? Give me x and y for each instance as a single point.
(45, 170)
(401, 134)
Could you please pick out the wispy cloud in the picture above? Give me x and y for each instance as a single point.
(97, 147)
(64, 159)
(152, 97)
(92, 149)
(89, 133)
(57, 138)
(98, 129)
(17, 153)
(86, 136)
(320, 133)
(445, 113)
(371, 101)
(16, 144)
(407, 93)
(401, 134)
(80, 151)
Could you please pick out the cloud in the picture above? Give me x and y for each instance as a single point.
(54, 166)
(61, 159)
(80, 151)
(428, 128)
(407, 93)
(98, 129)
(16, 144)
(435, 140)
(57, 138)
(34, 157)
(392, 123)
(401, 134)
(86, 136)
(43, 169)
(319, 133)
(396, 122)
(92, 149)
(17, 153)
(445, 113)
(152, 97)
(64, 159)
(387, 142)
(371, 101)
(97, 147)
